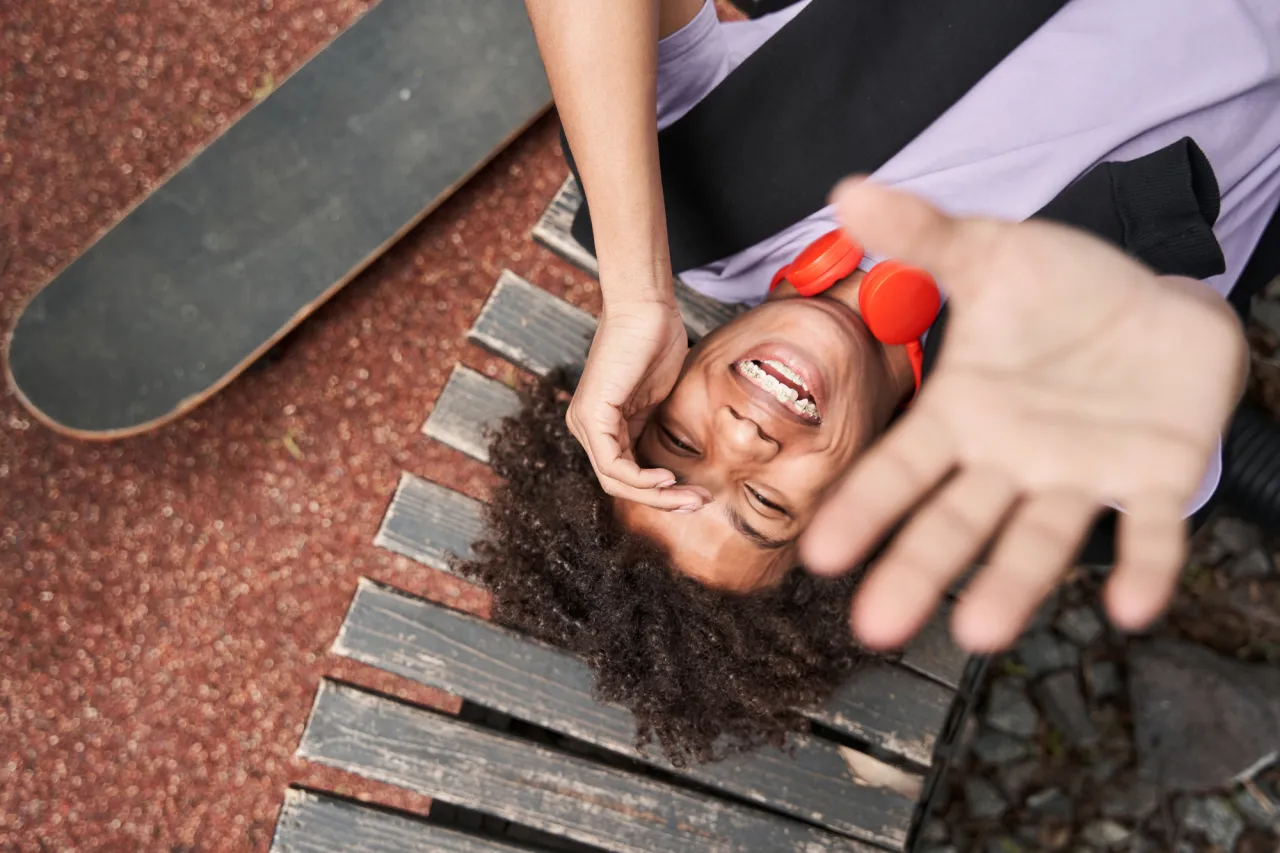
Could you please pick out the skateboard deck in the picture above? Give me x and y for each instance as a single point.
(277, 214)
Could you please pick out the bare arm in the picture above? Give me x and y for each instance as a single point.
(601, 58)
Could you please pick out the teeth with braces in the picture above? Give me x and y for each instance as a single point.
(787, 372)
(783, 392)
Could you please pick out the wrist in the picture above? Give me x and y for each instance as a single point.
(632, 249)
(646, 284)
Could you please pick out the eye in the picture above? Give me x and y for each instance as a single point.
(676, 442)
(765, 502)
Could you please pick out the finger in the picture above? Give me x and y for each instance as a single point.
(1038, 544)
(672, 500)
(617, 463)
(891, 478)
(657, 486)
(897, 224)
(1151, 548)
(612, 460)
(626, 474)
(934, 548)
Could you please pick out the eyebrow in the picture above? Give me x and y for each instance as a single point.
(759, 539)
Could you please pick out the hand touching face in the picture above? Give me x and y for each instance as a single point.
(766, 415)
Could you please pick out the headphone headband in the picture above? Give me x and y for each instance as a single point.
(897, 301)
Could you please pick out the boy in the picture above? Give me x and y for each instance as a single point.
(1076, 83)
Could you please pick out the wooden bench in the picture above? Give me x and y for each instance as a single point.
(534, 762)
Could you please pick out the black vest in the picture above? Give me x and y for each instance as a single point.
(739, 167)
(827, 96)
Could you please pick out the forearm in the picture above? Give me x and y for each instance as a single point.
(601, 59)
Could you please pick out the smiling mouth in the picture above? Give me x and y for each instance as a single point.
(783, 383)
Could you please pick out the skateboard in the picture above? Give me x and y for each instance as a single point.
(276, 215)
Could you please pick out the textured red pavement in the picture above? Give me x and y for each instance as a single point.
(167, 603)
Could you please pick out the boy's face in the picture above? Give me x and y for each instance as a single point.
(738, 426)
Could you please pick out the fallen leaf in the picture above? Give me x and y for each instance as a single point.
(266, 88)
(292, 446)
(874, 773)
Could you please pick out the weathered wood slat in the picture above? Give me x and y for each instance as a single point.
(436, 755)
(469, 406)
(313, 823)
(554, 230)
(891, 707)
(428, 523)
(531, 328)
(501, 669)
(934, 654)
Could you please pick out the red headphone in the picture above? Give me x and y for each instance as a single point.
(898, 302)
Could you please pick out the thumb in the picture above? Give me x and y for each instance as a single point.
(900, 225)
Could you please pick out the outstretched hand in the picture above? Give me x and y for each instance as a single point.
(635, 359)
(1072, 379)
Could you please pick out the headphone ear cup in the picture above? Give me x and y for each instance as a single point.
(824, 262)
(898, 302)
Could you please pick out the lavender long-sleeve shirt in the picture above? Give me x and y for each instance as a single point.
(1102, 80)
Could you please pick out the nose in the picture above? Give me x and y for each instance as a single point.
(741, 438)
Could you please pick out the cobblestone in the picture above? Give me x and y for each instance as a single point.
(1080, 625)
(1009, 709)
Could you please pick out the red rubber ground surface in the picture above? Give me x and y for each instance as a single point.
(167, 603)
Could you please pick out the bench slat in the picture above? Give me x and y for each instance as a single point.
(554, 230)
(501, 669)
(934, 654)
(893, 708)
(531, 328)
(468, 407)
(313, 823)
(897, 710)
(429, 523)
(437, 755)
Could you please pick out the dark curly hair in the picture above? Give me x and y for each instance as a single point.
(705, 671)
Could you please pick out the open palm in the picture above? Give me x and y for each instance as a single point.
(1072, 378)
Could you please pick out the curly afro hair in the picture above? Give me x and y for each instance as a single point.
(704, 671)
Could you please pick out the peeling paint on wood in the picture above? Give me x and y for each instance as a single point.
(469, 406)
(497, 774)
(428, 523)
(497, 668)
(531, 328)
(893, 708)
(314, 823)
(889, 706)
(555, 228)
